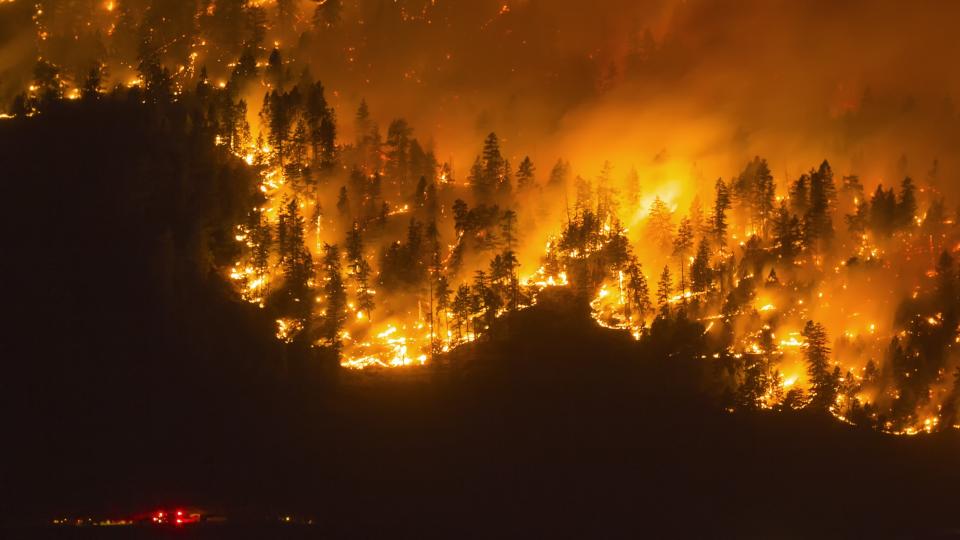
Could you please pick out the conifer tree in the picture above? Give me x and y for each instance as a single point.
(559, 174)
(907, 204)
(397, 148)
(606, 194)
(719, 218)
(823, 383)
(365, 298)
(461, 310)
(800, 195)
(275, 70)
(682, 243)
(818, 224)
(660, 225)
(639, 291)
(335, 297)
(701, 275)
(261, 240)
(525, 174)
(93, 83)
(787, 233)
(664, 291)
(295, 261)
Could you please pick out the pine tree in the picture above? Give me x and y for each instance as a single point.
(298, 147)
(321, 128)
(295, 259)
(664, 291)
(823, 384)
(354, 246)
(244, 71)
(719, 218)
(492, 159)
(398, 151)
(488, 169)
(660, 225)
(759, 379)
(800, 195)
(639, 291)
(584, 196)
(461, 310)
(275, 71)
(525, 174)
(818, 220)
(907, 204)
(787, 233)
(559, 175)
(157, 81)
(505, 182)
(93, 83)
(858, 221)
(278, 113)
(238, 129)
(606, 194)
(754, 190)
(477, 181)
(261, 240)
(335, 295)
(485, 302)
(701, 274)
(682, 243)
(883, 211)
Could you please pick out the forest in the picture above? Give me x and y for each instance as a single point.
(217, 221)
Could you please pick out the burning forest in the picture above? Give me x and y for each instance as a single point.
(394, 183)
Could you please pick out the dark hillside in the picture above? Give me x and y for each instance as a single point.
(119, 329)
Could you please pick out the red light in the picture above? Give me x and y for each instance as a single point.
(179, 512)
(160, 514)
(179, 521)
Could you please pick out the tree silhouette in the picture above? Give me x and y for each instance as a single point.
(335, 298)
(682, 243)
(660, 225)
(701, 274)
(907, 204)
(664, 291)
(822, 381)
(559, 175)
(639, 291)
(525, 174)
(718, 220)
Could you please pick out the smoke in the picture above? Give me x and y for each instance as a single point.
(860, 83)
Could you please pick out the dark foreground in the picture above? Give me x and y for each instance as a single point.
(561, 436)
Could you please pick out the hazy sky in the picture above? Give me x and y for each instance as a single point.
(723, 80)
